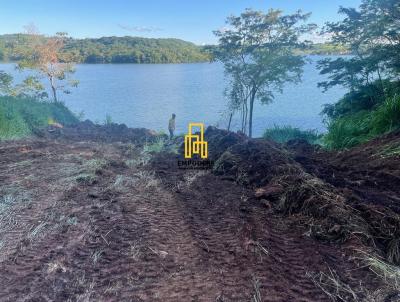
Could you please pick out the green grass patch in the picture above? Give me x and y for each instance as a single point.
(351, 130)
(19, 117)
(283, 134)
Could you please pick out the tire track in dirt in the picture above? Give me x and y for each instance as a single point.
(241, 241)
(135, 236)
(242, 246)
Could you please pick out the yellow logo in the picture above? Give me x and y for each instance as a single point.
(194, 143)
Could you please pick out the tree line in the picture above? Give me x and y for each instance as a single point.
(111, 50)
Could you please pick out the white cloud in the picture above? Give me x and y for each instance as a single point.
(142, 29)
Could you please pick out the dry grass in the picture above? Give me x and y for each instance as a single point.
(389, 273)
(256, 287)
(134, 251)
(333, 286)
(144, 179)
(96, 256)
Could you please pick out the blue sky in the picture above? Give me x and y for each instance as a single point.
(191, 20)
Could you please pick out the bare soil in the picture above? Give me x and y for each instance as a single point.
(86, 218)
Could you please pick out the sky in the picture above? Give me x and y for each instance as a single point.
(190, 20)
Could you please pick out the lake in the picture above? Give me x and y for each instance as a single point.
(146, 95)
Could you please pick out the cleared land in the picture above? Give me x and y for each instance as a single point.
(86, 218)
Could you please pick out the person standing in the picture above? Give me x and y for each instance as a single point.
(171, 126)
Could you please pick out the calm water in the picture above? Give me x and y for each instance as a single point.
(146, 95)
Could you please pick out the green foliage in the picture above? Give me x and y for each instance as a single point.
(19, 117)
(29, 87)
(113, 50)
(387, 117)
(45, 57)
(258, 55)
(351, 130)
(6, 81)
(155, 147)
(366, 97)
(283, 134)
(371, 34)
(372, 106)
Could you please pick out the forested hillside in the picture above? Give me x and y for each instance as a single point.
(114, 50)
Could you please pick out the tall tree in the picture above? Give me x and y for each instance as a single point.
(372, 33)
(257, 50)
(44, 55)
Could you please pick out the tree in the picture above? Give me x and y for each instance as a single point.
(372, 33)
(5, 83)
(257, 50)
(29, 87)
(44, 55)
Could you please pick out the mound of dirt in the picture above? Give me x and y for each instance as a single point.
(280, 177)
(255, 162)
(88, 131)
(370, 171)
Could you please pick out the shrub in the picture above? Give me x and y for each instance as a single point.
(19, 117)
(283, 134)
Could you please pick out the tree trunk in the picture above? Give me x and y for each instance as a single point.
(243, 118)
(230, 120)
(252, 97)
(381, 82)
(53, 89)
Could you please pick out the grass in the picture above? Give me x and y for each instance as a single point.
(389, 273)
(283, 134)
(155, 147)
(351, 130)
(390, 151)
(19, 117)
(88, 174)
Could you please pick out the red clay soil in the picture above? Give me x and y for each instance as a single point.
(86, 221)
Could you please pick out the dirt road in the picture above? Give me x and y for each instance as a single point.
(90, 221)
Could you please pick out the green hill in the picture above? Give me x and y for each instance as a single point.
(115, 50)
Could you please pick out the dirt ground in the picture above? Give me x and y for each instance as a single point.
(106, 221)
